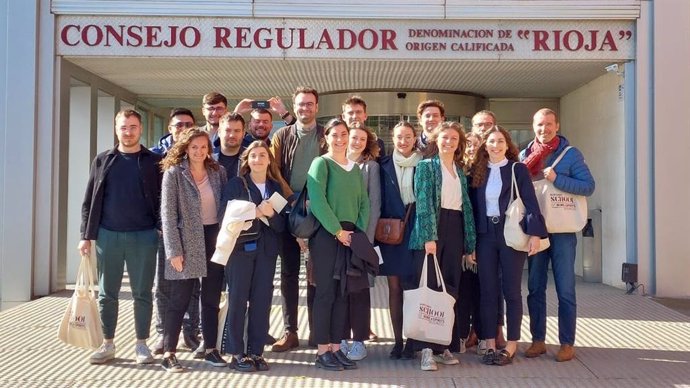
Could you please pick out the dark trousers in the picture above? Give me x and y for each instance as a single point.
(468, 304)
(449, 249)
(161, 295)
(358, 318)
(289, 279)
(330, 305)
(494, 257)
(250, 284)
(211, 286)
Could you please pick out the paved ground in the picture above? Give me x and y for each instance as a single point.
(623, 341)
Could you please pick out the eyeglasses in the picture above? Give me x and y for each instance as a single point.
(182, 125)
(484, 124)
(306, 105)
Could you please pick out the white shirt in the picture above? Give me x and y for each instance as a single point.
(451, 192)
(494, 184)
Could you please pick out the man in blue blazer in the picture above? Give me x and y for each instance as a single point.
(571, 175)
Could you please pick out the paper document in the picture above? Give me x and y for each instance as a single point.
(277, 202)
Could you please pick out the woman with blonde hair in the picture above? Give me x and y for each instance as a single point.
(190, 199)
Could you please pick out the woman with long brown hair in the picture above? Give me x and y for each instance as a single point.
(190, 199)
(252, 263)
(495, 163)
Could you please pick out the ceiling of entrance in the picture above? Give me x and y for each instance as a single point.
(167, 82)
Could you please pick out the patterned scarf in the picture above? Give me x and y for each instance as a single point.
(538, 154)
(404, 171)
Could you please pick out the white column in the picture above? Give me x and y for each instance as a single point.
(18, 57)
(106, 123)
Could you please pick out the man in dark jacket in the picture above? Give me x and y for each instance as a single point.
(570, 175)
(121, 211)
(180, 120)
(230, 132)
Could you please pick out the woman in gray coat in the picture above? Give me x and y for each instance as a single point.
(192, 184)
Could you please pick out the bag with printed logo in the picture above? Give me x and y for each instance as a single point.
(563, 212)
(81, 324)
(428, 314)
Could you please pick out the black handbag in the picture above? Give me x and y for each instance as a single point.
(301, 221)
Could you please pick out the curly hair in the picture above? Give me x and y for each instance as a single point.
(371, 151)
(273, 172)
(480, 167)
(178, 152)
(469, 159)
(459, 155)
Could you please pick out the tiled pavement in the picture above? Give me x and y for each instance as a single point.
(623, 341)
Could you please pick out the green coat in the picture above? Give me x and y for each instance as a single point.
(427, 190)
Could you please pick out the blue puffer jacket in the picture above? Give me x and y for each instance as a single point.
(164, 144)
(572, 174)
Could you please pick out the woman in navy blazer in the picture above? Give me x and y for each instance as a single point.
(490, 194)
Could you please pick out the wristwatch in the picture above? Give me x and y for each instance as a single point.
(284, 115)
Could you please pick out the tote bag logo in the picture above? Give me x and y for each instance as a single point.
(78, 321)
(562, 201)
(431, 315)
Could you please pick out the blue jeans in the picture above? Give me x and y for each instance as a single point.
(562, 257)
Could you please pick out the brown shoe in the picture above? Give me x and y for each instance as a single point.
(472, 340)
(287, 342)
(565, 353)
(536, 349)
(500, 339)
(372, 336)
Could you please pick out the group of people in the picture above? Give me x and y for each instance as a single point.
(159, 212)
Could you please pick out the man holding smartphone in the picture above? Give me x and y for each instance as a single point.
(261, 119)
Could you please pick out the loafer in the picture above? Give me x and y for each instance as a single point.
(489, 357)
(171, 365)
(328, 361)
(396, 352)
(287, 342)
(472, 340)
(191, 341)
(536, 349)
(270, 340)
(503, 358)
(565, 353)
(344, 361)
(242, 363)
(259, 362)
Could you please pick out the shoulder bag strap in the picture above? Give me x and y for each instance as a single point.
(558, 159)
(246, 187)
(513, 185)
(407, 213)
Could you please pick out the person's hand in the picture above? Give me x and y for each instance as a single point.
(266, 209)
(302, 242)
(533, 245)
(471, 258)
(277, 106)
(344, 237)
(244, 106)
(430, 247)
(549, 174)
(177, 263)
(84, 247)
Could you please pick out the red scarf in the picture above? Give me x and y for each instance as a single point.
(538, 154)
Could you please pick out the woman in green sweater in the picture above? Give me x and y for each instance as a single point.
(339, 201)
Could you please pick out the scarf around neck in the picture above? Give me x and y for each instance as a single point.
(538, 154)
(404, 172)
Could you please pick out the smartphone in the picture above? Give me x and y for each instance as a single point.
(259, 104)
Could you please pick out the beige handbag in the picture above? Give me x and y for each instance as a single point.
(513, 233)
(563, 212)
(81, 323)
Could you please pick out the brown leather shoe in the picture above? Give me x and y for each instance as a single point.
(536, 349)
(565, 353)
(472, 340)
(500, 339)
(287, 342)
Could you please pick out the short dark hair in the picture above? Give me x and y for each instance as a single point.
(232, 116)
(127, 113)
(180, 111)
(261, 111)
(431, 103)
(214, 98)
(305, 90)
(355, 100)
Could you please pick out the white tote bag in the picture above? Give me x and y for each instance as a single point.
(427, 314)
(563, 212)
(222, 318)
(81, 324)
(515, 237)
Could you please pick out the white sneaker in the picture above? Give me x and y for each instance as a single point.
(446, 358)
(344, 347)
(143, 354)
(357, 352)
(428, 362)
(481, 348)
(104, 353)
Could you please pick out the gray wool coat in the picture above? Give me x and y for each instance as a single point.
(183, 230)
